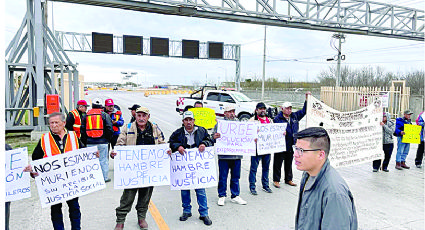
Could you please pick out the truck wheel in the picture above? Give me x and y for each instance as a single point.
(244, 117)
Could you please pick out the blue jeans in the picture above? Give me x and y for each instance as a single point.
(235, 175)
(103, 158)
(402, 150)
(202, 201)
(74, 215)
(265, 163)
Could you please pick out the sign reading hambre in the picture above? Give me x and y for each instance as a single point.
(65, 176)
(141, 166)
(17, 182)
(237, 138)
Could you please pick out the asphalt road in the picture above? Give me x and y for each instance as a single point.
(393, 200)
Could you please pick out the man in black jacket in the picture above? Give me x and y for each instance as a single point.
(187, 137)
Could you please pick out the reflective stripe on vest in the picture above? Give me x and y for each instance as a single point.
(50, 148)
(77, 122)
(94, 123)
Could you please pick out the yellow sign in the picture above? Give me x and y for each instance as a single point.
(412, 134)
(204, 117)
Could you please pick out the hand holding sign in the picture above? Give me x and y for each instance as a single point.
(201, 148)
(181, 150)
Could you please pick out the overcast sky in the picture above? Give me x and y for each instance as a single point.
(310, 48)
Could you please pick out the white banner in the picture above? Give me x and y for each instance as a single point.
(141, 166)
(271, 138)
(236, 138)
(356, 137)
(17, 182)
(193, 170)
(65, 176)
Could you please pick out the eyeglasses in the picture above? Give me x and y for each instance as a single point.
(301, 151)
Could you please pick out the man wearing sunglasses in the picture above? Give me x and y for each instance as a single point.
(325, 201)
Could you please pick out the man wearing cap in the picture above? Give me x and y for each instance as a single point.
(325, 200)
(187, 137)
(141, 132)
(74, 118)
(420, 152)
(117, 120)
(261, 117)
(402, 148)
(292, 119)
(226, 162)
(133, 112)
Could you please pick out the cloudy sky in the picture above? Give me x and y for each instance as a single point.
(305, 51)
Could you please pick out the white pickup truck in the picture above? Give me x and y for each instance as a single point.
(218, 100)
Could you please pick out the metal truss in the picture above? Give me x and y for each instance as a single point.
(349, 16)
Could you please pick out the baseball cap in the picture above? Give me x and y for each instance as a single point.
(142, 109)
(229, 108)
(188, 114)
(97, 101)
(408, 112)
(286, 104)
(134, 107)
(82, 102)
(260, 105)
(109, 102)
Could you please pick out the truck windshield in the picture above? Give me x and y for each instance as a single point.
(241, 97)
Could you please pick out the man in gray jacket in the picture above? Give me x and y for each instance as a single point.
(325, 201)
(388, 128)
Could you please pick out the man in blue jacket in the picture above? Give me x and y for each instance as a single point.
(292, 119)
(402, 148)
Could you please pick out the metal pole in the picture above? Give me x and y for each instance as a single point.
(39, 58)
(338, 65)
(238, 68)
(264, 64)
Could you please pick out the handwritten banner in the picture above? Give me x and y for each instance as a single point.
(237, 138)
(141, 166)
(17, 182)
(204, 117)
(193, 170)
(271, 138)
(65, 176)
(356, 137)
(413, 134)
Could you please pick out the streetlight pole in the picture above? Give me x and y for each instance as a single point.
(264, 64)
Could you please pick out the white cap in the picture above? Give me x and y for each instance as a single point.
(286, 105)
(229, 108)
(188, 114)
(97, 101)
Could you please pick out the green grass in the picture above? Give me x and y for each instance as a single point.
(19, 140)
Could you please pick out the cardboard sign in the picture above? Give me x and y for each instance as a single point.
(356, 137)
(141, 166)
(236, 138)
(413, 134)
(271, 138)
(65, 176)
(193, 170)
(204, 117)
(17, 184)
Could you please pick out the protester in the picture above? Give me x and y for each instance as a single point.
(7, 204)
(420, 151)
(292, 120)
(96, 130)
(74, 118)
(387, 141)
(325, 201)
(147, 133)
(198, 104)
(226, 162)
(261, 117)
(117, 120)
(187, 137)
(133, 112)
(402, 148)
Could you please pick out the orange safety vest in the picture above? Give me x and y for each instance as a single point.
(94, 123)
(117, 118)
(77, 122)
(50, 148)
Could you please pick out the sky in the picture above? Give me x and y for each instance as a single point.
(304, 52)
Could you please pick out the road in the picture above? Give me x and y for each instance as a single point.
(393, 200)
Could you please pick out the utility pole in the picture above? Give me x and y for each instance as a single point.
(339, 56)
(264, 64)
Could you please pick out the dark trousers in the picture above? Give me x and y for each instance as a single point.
(74, 215)
(235, 174)
(265, 164)
(114, 140)
(286, 156)
(388, 150)
(127, 200)
(7, 212)
(419, 154)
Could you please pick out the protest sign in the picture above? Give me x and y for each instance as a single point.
(204, 117)
(139, 166)
(193, 169)
(271, 138)
(356, 137)
(65, 176)
(412, 134)
(17, 182)
(236, 138)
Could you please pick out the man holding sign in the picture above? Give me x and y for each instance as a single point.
(186, 137)
(402, 148)
(141, 132)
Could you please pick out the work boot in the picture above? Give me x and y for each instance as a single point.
(143, 224)
(398, 166)
(403, 165)
(119, 227)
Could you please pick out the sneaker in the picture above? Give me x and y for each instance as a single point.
(375, 170)
(221, 200)
(206, 219)
(253, 192)
(268, 190)
(238, 200)
(418, 166)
